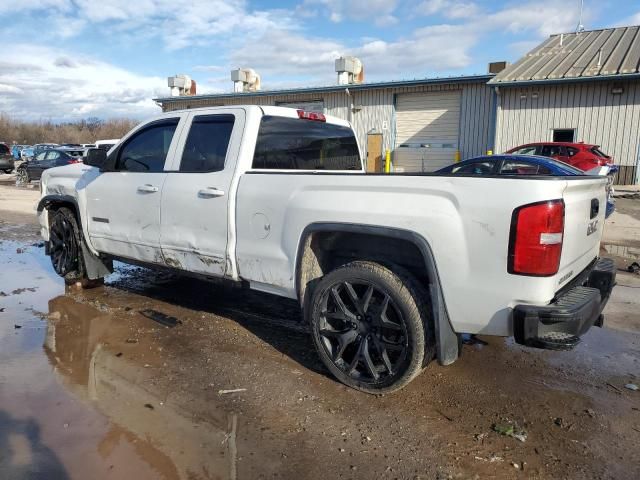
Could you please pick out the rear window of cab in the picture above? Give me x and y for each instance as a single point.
(298, 144)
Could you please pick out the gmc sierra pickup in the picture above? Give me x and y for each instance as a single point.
(389, 269)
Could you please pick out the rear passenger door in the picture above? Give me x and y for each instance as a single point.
(196, 206)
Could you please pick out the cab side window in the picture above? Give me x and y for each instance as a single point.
(146, 150)
(207, 143)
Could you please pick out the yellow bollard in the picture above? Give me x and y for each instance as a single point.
(489, 152)
(456, 157)
(387, 162)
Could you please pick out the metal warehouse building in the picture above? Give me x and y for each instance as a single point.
(423, 122)
(576, 87)
(581, 86)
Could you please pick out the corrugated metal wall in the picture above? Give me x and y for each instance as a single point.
(612, 121)
(376, 110)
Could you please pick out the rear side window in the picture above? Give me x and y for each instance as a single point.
(552, 151)
(599, 153)
(526, 150)
(146, 150)
(4, 148)
(571, 151)
(515, 167)
(298, 144)
(207, 143)
(477, 168)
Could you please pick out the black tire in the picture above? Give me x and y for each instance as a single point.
(371, 326)
(65, 249)
(8, 171)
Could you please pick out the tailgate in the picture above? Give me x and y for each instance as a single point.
(585, 206)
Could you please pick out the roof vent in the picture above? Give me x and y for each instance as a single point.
(181, 85)
(245, 80)
(497, 67)
(350, 70)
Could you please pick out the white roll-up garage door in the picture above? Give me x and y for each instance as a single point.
(427, 126)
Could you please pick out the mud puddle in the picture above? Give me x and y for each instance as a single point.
(156, 376)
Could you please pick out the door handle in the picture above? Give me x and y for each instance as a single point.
(210, 192)
(147, 188)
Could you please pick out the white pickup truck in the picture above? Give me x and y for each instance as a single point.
(389, 270)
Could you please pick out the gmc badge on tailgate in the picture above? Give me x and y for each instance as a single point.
(592, 227)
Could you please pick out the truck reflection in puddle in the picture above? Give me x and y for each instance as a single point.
(160, 427)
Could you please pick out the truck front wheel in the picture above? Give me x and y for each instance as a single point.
(370, 326)
(65, 249)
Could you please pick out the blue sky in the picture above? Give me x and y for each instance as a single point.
(68, 59)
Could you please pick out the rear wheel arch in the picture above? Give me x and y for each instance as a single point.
(315, 258)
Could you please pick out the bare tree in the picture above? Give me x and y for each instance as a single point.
(82, 131)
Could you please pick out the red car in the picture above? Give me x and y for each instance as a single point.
(579, 155)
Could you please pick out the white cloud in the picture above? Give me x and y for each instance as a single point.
(543, 18)
(10, 6)
(427, 52)
(44, 82)
(179, 24)
(281, 52)
(632, 20)
(453, 9)
(381, 12)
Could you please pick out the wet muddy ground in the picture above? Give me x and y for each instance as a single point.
(157, 376)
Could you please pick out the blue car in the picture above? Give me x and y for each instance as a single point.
(496, 165)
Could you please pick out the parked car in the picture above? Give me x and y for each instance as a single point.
(522, 165)
(26, 153)
(40, 147)
(53, 157)
(107, 144)
(7, 162)
(580, 155)
(389, 270)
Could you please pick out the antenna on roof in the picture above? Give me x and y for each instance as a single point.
(580, 27)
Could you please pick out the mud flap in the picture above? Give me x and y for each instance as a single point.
(96, 267)
(447, 341)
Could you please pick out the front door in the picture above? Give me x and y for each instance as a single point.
(196, 197)
(123, 206)
(35, 166)
(374, 153)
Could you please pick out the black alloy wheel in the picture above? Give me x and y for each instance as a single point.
(64, 248)
(22, 177)
(369, 326)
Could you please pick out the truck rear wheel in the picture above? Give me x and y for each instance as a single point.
(370, 326)
(65, 249)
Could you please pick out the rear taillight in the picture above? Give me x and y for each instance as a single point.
(318, 117)
(73, 160)
(535, 242)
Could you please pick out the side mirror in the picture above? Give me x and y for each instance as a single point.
(96, 157)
